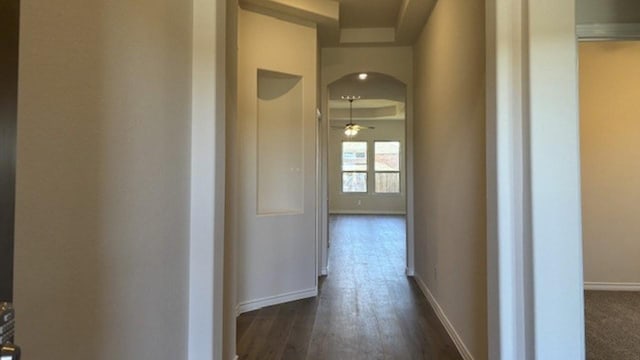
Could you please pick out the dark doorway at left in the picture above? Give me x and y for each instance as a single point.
(9, 30)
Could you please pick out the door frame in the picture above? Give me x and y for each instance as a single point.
(326, 79)
(534, 229)
(209, 270)
(323, 230)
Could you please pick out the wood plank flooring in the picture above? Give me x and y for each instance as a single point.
(367, 307)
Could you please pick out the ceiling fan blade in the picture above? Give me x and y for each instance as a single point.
(360, 127)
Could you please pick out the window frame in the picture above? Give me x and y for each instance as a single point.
(365, 172)
(399, 171)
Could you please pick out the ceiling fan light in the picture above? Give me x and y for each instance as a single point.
(350, 132)
(351, 129)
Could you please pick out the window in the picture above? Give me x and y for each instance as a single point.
(354, 166)
(387, 166)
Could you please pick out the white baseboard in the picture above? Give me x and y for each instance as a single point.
(607, 286)
(462, 348)
(324, 272)
(256, 304)
(365, 212)
(409, 272)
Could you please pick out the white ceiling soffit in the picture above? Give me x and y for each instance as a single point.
(381, 97)
(376, 86)
(371, 109)
(321, 12)
(378, 22)
(353, 22)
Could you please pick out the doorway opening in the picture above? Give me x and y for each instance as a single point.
(365, 166)
(609, 134)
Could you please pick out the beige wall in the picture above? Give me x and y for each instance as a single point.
(610, 134)
(102, 215)
(370, 203)
(450, 167)
(267, 271)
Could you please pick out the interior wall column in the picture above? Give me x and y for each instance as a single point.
(534, 214)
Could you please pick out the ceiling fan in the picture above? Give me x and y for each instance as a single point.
(351, 129)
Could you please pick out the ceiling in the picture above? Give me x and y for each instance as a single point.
(369, 13)
(377, 22)
(399, 22)
(354, 22)
(368, 109)
(607, 12)
(380, 97)
(376, 86)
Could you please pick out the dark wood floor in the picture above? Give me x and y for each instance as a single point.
(367, 307)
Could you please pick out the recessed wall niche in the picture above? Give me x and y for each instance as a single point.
(280, 143)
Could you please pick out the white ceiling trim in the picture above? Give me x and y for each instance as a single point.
(412, 15)
(314, 11)
(603, 32)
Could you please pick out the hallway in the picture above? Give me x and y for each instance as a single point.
(367, 307)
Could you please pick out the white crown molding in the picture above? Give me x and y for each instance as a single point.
(601, 32)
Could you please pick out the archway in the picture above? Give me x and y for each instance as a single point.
(379, 102)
